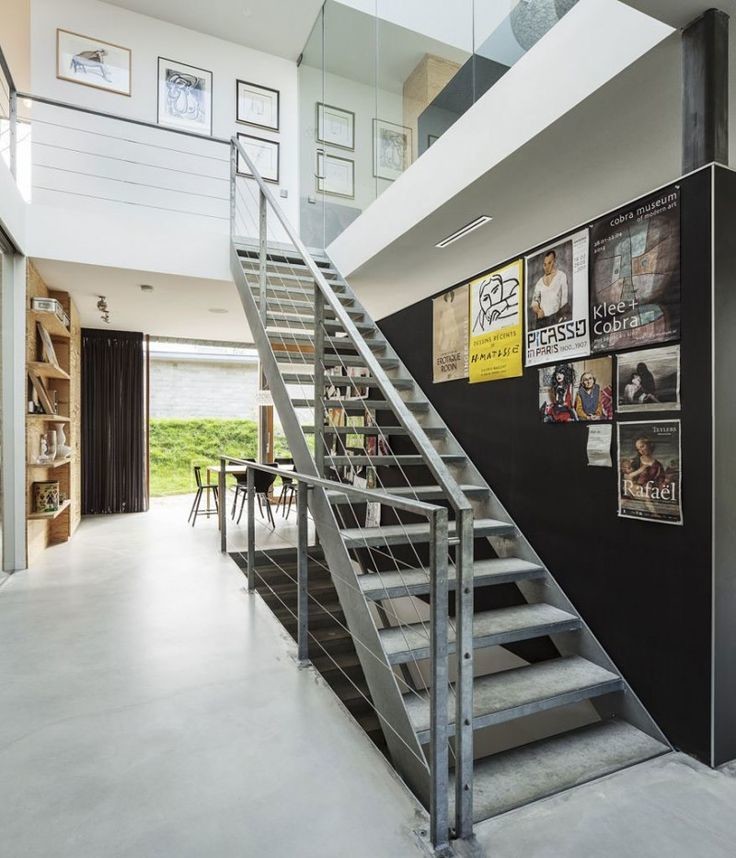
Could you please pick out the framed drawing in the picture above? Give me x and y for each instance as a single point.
(48, 351)
(41, 393)
(92, 62)
(335, 126)
(335, 175)
(264, 154)
(391, 149)
(256, 105)
(184, 97)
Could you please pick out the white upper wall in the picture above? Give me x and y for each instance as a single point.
(120, 208)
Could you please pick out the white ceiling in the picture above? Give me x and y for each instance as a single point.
(279, 27)
(680, 13)
(177, 307)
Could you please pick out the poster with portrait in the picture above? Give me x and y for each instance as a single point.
(649, 471)
(648, 380)
(557, 301)
(450, 335)
(635, 288)
(495, 324)
(577, 391)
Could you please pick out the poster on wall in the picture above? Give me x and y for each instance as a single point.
(649, 471)
(648, 380)
(495, 324)
(635, 289)
(576, 392)
(450, 335)
(557, 301)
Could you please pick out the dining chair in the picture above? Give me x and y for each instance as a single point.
(201, 489)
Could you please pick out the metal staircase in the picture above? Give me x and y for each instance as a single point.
(314, 340)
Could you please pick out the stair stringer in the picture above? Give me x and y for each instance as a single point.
(625, 704)
(406, 752)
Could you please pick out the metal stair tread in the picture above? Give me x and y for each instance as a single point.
(359, 537)
(490, 628)
(520, 691)
(407, 460)
(361, 404)
(546, 767)
(345, 380)
(415, 582)
(295, 360)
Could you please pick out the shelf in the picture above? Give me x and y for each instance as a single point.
(51, 322)
(48, 418)
(49, 515)
(44, 369)
(57, 463)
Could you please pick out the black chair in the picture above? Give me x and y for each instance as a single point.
(288, 488)
(262, 482)
(241, 485)
(201, 489)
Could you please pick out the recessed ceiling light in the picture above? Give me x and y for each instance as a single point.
(218, 310)
(464, 230)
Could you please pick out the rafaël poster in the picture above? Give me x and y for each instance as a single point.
(576, 392)
(635, 289)
(450, 335)
(495, 324)
(649, 471)
(557, 301)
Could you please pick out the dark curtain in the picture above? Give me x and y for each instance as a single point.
(113, 422)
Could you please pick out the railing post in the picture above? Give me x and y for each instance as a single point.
(13, 132)
(319, 380)
(251, 489)
(464, 676)
(302, 492)
(438, 696)
(233, 189)
(262, 255)
(222, 492)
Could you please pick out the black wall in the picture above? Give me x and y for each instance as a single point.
(644, 588)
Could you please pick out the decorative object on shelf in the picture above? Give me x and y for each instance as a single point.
(41, 393)
(51, 445)
(42, 457)
(335, 175)
(264, 154)
(335, 126)
(256, 105)
(50, 305)
(184, 97)
(104, 309)
(391, 149)
(46, 496)
(63, 451)
(92, 62)
(48, 352)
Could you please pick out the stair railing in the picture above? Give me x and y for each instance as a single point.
(326, 298)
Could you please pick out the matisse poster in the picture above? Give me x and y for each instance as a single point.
(557, 301)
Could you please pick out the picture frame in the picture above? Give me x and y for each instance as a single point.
(392, 147)
(47, 346)
(265, 155)
(335, 175)
(335, 126)
(93, 62)
(257, 105)
(184, 97)
(42, 393)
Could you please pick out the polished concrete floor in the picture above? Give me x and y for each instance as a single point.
(150, 709)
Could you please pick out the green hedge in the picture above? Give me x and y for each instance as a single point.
(178, 445)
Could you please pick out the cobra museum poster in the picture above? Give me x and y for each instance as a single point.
(450, 335)
(649, 471)
(557, 301)
(635, 289)
(495, 324)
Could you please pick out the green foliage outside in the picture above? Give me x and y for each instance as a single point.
(178, 445)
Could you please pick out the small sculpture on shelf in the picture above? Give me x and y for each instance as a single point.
(46, 496)
(63, 451)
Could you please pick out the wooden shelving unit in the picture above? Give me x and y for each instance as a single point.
(57, 463)
(46, 418)
(50, 321)
(44, 369)
(49, 516)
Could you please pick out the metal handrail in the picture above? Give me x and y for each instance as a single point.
(13, 118)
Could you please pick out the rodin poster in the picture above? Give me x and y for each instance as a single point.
(557, 301)
(495, 324)
(450, 335)
(635, 289)
(649, 471)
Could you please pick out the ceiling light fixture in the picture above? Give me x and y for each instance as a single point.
(464, 230)
(104, 309)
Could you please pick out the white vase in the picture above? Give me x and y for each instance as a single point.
(62, 451)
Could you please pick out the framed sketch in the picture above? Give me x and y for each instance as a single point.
(92, 62)
(48, 351)
(184, 97)
(256, 105)
(335, 175)
(335, 126)
(264, 154)
(391, 149)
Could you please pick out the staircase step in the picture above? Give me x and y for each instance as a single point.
(303, 283)
(490, 628)
(419, 492)
(361, 404)
(406, 461)
(294, 300)
(388, 431)
(306, 323)
(523, 775)
(401, 534)
(295, 360)
(415, 582)
(353, 381)
(521, 691)
(297, 338)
